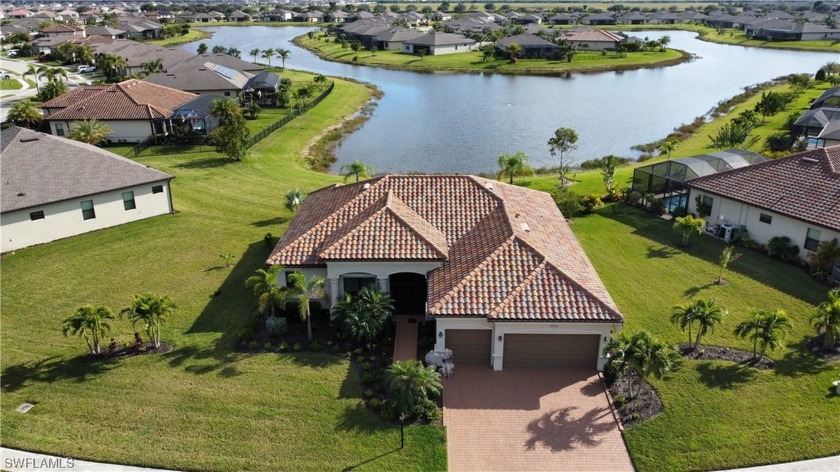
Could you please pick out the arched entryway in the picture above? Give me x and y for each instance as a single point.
(408, 290)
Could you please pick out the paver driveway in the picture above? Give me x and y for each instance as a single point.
(530, 419)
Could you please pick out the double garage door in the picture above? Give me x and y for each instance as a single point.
(576, 351)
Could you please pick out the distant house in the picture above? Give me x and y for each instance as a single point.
(821, 122)
(262, 88)
(599, 19)
(796, 196)
(592, 39)
(193, 118)
(563, 19)
(436, 44)
(55, 188)
(134, 110)
(62, 30)
(533, 47)
(239, 16)
(105, 32)
(309, 17)
(207, 78)
(394, 38)
(789, 30)
(278, 14)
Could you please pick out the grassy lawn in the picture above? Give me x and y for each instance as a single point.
(471, 61)
(202, 406)
(192, 35)
(734, 36)
(10, 84)
(717, 416)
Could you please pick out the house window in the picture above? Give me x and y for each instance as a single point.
(59, 129)
(227, 94)
(157, 189)
(88, 212)
(128, 201)
(352, 285)
(812, 239)
(36, 215)
(765, 218)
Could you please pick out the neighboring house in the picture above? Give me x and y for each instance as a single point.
(262, 88)
(278, 14)
(203, 79)
(194, 118)
(393, 38)
(591, 39)
(533, 47)
(796, 196)
(55, 188)
(494, 265)
(436, 44)
(821, 122)
(789, 30)
(105, 32)
(63, 30)
(239, 16)
(309, 17)
(563, 19)
(134, 110)
(599, 19)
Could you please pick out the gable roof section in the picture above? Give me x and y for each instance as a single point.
(439, 39)
(129, 100)
(804, 186)
(507, 253)
(39, 168)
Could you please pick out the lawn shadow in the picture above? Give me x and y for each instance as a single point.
(368, 461)
(798, 361)
(277, 221)
(55, 368)
(556, 431)
(351, 386)
(206, 163)
(692, 292)
(316, 360)
(358, 419)
(724, 377)
(662, 252)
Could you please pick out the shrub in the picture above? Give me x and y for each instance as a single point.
(633, 197)
(315, 346)
(620, 401)
(368, 377)
(367, 366)
(636, 416)
(276, 326)
(569, 203)
(591, 202)
(430, 410)
(375, 403)
(355, 58)
(253, 345)
(297, 347)
(679, 211)
(780, 142)
(284, 346)
(657, 206)
(781, 248)
(268, 240)
(412, 386)
(267, 346)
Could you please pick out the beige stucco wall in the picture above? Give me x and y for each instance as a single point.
(64, 219)
(128, 131)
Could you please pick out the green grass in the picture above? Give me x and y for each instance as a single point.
(716, 416)
(10, 84)
(202, 406)
(471, 61)
(734, 36)
(192, 35)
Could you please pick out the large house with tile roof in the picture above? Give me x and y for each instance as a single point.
(134, 110)
(55, 188)
(494, 266)
(796, 196)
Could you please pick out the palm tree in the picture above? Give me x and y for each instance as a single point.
(294, 198)
(356, 168)
(827, 319)
(52, 89)
(707, 314)
(688, 224)
(224, 109)
(25, 113)
(827, 254)
(726, 257)
(411, 385)
(35, 72)
(152, 311)
(665, 41)
(89, 321)
(264, 284)
(152, 66)
(268, 54)
(89, 131)
(642, 354)
(113, 65)
(253, 109)
(667, 147)
(305, 291)
(831, 67)
(283, 54)
(55, 73)
(765, 328)
(255, 52)
(363, 317)
(609, 164)
(684, 316)
(512, 165)
(750, 329)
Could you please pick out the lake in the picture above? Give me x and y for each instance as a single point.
(460, 123)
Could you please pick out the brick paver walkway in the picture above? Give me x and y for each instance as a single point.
(405, 340)
(530, 419)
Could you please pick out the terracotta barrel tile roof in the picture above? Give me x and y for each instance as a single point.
(129, 100)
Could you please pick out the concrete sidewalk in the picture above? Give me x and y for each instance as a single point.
(826, 464)
(22, 461)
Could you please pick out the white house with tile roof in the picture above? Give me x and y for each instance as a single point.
(796, 196)
(54, 188)
(495, 266)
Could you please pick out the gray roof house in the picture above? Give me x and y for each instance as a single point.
(533, 47)
(54, 188)
(204, 79)
(436, 44)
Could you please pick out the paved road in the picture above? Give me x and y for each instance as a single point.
(18, 68)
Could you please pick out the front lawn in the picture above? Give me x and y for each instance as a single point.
(10, 84)
(202, 406)
(717, 415)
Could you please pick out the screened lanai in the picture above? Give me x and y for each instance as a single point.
(664, 179)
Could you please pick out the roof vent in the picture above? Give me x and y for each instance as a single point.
(366, 186)
(525, 227)
(809, 160)
(21, 194)
(490, 186)
(28, 139)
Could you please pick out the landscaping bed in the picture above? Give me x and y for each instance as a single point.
(643, 407)
(815, 347)
(717, 353)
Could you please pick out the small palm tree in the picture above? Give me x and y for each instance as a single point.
(35, 72)
(255, 52)
(765, 329)
(683, 315)
(667, 147)
(688, 224)
(268, 54)
(283, 54)
(52, 89)
(411, 385)
(707, 314)
(55, 73)
(642, 354)
(89, 131)
(363, 317)
(153, 66)
(726, 257)
(827, 254)
(25, 113)
(609, 165)
(152, 311)
(512, 164)
(357, 169)
(827, 319)
(294, 199)
(253, 110)
(90, 323)
(305, 291)
(224, 109)
(264, 284)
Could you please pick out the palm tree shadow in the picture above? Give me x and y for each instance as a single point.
(724, 377)
(661, 252)
(55, 368)
(692, 292)
(556, 431)
(798, 361)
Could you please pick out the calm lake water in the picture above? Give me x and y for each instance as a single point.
(460, 123)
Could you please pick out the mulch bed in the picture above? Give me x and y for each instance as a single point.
(815, 347)
(645, 406)
(715, 353)
(147, 348)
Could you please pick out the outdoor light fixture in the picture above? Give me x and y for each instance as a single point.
(500, 337)
(440, 335)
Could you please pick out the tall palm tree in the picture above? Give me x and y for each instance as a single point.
(707, 314)
(512, 164)
(268, 54)
(25, 113)
(357, 169)
(667, 147)
(52, 89)
(55, 73)
(305, 291)
(89, 321)
(827, 319)
(152, 311)
(35, 72)
(255, 52)
(765, 328)
(283, 54)
(411, 384)
(89, 131)
(264, 284)
(609, 165)
(683, 315)
(294, 198)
